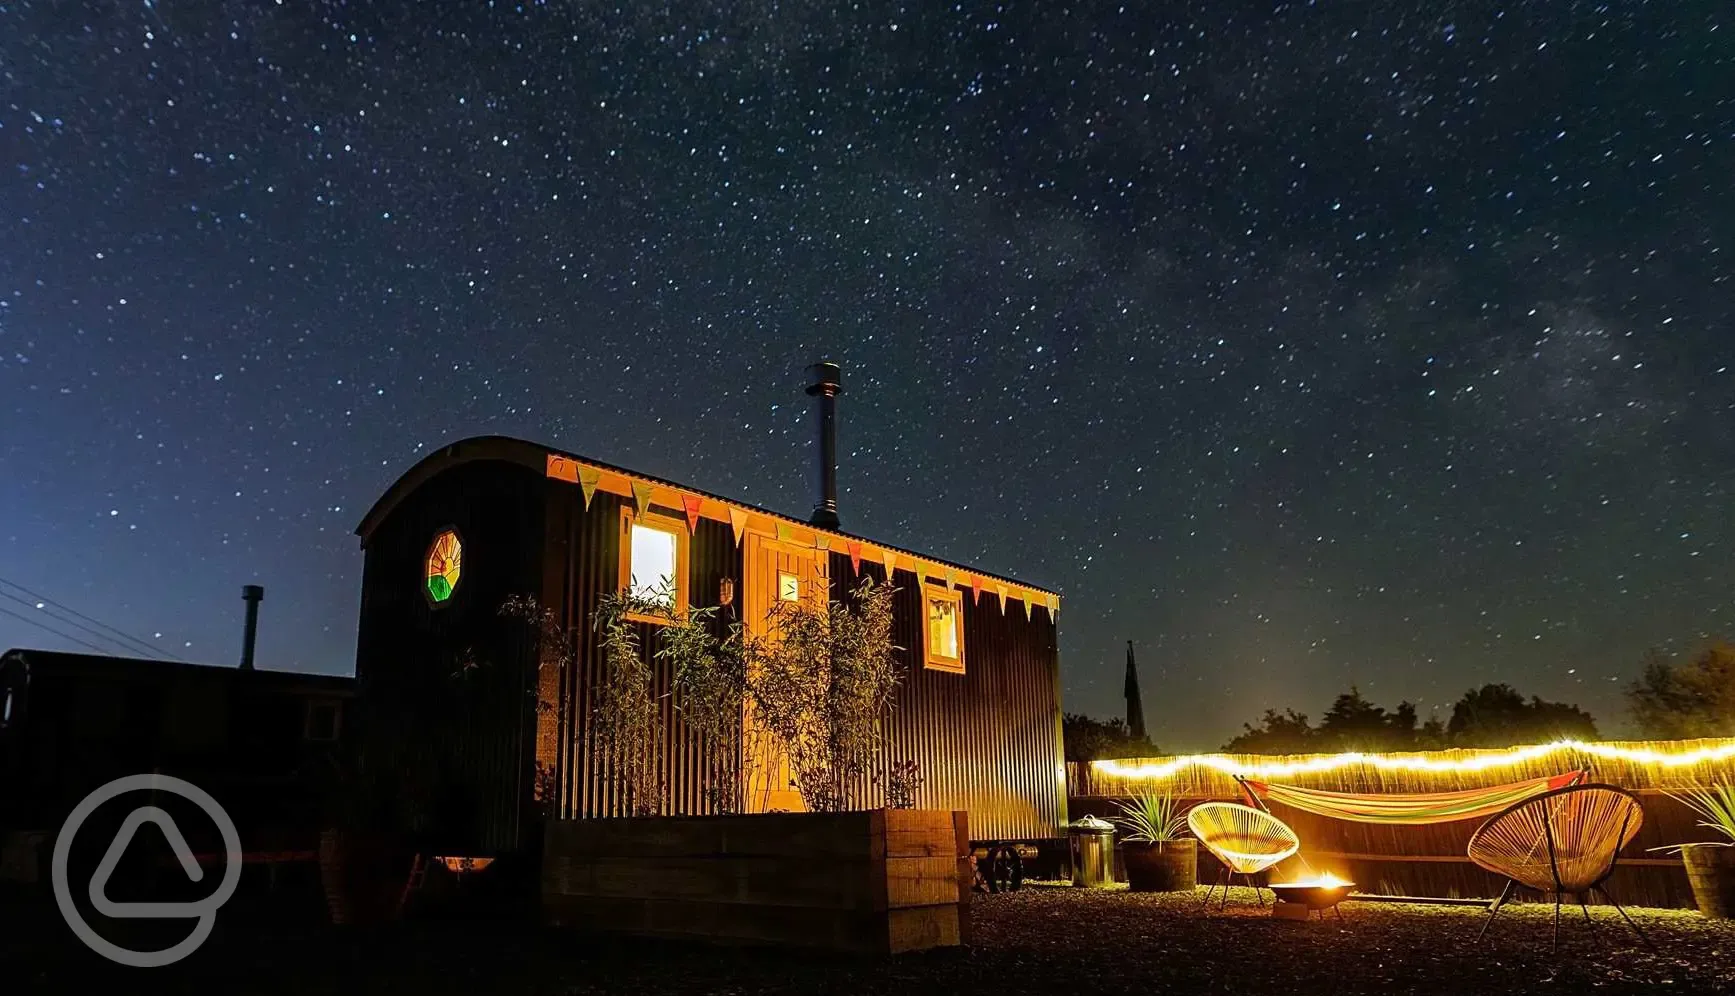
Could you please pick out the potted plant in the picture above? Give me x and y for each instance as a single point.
(364, 856)
(1159, 858)
(1711, 864)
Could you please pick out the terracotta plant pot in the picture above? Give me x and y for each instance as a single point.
(1168, 866)
(1711, 871)
(363, 875)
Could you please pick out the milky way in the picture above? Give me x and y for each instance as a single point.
(1303, 345)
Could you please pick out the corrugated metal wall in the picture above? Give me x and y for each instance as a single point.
(584, 565)
(418, 717)
(987, 741)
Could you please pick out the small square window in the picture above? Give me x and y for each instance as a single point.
(788, 587)
(653, 564)
(943, 628)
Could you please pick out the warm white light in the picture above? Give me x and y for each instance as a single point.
(1415, 762)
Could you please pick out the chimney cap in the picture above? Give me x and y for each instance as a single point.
(825, 374)
(253, 592)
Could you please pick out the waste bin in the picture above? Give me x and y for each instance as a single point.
(1092, 845)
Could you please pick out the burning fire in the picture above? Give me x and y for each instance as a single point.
(1325, 881)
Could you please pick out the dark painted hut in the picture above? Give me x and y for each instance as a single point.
(487, 519)
(261, 743)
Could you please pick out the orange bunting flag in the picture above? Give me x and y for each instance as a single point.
(975, 590)
(855, 557)
(642, 495)
(738, 520)
(588, 479)
(691, 504)
(890, 558)
(1000, 590)
(562, 469)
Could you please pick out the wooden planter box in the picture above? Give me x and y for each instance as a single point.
(882, 881)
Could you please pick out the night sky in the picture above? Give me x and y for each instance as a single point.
(1301, 344)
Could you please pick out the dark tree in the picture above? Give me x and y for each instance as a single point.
(1696, 698)
(1497, 716)
(1090, 739)
(1286, 732)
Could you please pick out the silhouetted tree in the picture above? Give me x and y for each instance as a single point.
(1691, 699)
(1090, 739)
(1286, 732)
(1497, 716)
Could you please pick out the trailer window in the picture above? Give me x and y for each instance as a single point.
(653, 564)
(943, 612)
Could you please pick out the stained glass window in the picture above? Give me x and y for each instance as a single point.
(445, 565)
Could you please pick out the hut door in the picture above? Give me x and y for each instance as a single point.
(775, 571)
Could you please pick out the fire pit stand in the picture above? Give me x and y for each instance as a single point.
(1300, 900)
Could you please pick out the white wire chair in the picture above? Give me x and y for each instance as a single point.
(1247, 841)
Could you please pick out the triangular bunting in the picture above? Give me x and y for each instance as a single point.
(562, 469)
(1000, 590)
(785, 532)
(821, 541)
(588, 479)
(738, 520)
(642, 495)
(951, 578)
(975, 590)
(890, 558)
(1053, 607)
(1029, 611)
(855, 557)
(691, 504)
(921, 574)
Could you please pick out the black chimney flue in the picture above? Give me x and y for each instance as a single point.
(827, 385)
(251, 594)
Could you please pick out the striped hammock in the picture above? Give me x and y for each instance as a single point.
(1409, 809)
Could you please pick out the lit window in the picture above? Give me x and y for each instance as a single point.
(445, 564)
(943, 610)
(788, 587)
(653, 565)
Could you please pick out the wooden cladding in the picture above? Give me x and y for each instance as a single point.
(880, 881)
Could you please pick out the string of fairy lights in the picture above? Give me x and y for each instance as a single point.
(1705, 752)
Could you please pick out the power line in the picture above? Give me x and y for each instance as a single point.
(39, 607)
(147, 648)
(51, 629)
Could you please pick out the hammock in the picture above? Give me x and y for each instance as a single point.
(1408, 809)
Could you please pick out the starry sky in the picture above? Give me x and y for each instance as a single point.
(1302, 344)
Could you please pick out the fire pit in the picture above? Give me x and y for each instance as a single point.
(1297, 899)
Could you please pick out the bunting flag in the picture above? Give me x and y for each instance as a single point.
(562, 469)
(855, 557)
(951, 579)
(642, 495)
(921, 574)
(1000, 590)
(1053, 607)
(890, 558)
(821, 542)
(691, 504)
(785, 533)
(1029, 612)
(738, 520)
(588, 479)
(975, 589)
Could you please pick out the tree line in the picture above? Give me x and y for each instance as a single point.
(1672, 699)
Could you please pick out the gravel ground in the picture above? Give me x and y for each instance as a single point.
(1038, 940)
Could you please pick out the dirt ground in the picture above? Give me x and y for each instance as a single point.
(1037, 940)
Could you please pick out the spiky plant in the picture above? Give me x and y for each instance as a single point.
(1153, 818)
(1715, 807)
